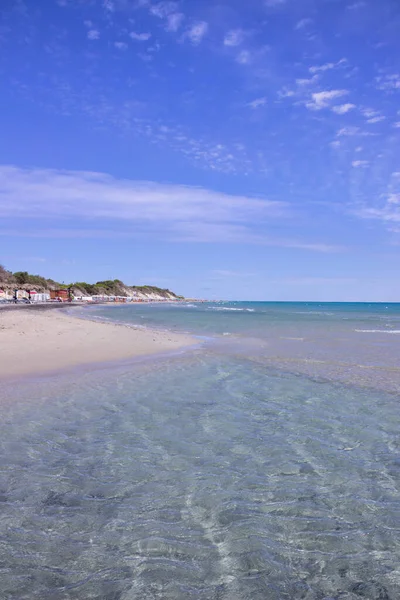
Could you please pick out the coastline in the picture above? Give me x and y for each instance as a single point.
(36, 341)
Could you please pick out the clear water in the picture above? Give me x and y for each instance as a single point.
(350, 342)
(212, 475)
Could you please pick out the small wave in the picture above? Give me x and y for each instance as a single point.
(322, 313)
(232, 309)
(392, 331)
(225, 308)
(190, 306)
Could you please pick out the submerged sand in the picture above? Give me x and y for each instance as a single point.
(35, 342)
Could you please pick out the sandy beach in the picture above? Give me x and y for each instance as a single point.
(42, 341)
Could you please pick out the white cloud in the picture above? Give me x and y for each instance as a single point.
(140, 37)
(168, 11)
(304, 82)
(272, 3)
(243, 57)
(227, 273)
(56, 194)
(356, 5)
(322, 100)
(369, 112)
(257, 103)
(376, 119)
(121, 45)
(303, 23)
(372, 115)
(327, 66)
(234, 37)
(174, 21)
(341, 109)
(285, 93)
(318, 280)
(348, 131)
(397, 124)
(163, 9)
(197, 32)
(93, 34)
(360, 163)
(109, 5)
(386, 214)
(394, 199)
(389, 82)
(94, 205)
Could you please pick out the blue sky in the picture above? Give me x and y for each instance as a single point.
(224, 149)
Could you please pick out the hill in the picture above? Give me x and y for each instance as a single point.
(23, 280)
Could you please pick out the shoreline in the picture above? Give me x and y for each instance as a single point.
(36, 341)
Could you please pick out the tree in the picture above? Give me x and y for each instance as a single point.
(21, 277)
(3, 273)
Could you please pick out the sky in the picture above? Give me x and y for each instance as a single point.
(220, 148)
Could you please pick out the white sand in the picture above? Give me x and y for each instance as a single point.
(34, 341)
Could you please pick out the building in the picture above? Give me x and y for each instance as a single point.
(62, 295)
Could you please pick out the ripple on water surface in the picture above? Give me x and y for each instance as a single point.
(200, 478)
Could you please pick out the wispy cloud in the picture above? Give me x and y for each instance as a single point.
(229, 273)
(109, 5)
(274, 3)
(197, 32)
(342, 109)
(52, 194)
(348, 131)
(387, 214)
(257, 103)
(93, 34)
(356, 5)
(163, 9)
(389, 82)
(372, 115)
(169, 13)
(327, 66)
(121, 45)
(234, 37)
(174, 21)
(68, 201)
(303, 23)
(302, 82)
(140, 37)
(376, 119)
(323, 99)
(360, 163)
(244, 57)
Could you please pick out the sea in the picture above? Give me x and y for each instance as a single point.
(262, 463)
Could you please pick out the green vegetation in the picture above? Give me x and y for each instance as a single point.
(109, 287)
(24, 278)
(5, 276)
(152, 289)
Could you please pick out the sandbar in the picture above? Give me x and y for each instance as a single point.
(38, 342)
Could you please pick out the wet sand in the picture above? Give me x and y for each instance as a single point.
(34, 341)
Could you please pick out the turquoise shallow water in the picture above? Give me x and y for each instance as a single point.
(351, 342)
(211, 475)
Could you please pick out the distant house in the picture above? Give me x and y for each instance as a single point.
(63, 295)
(38, 297)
